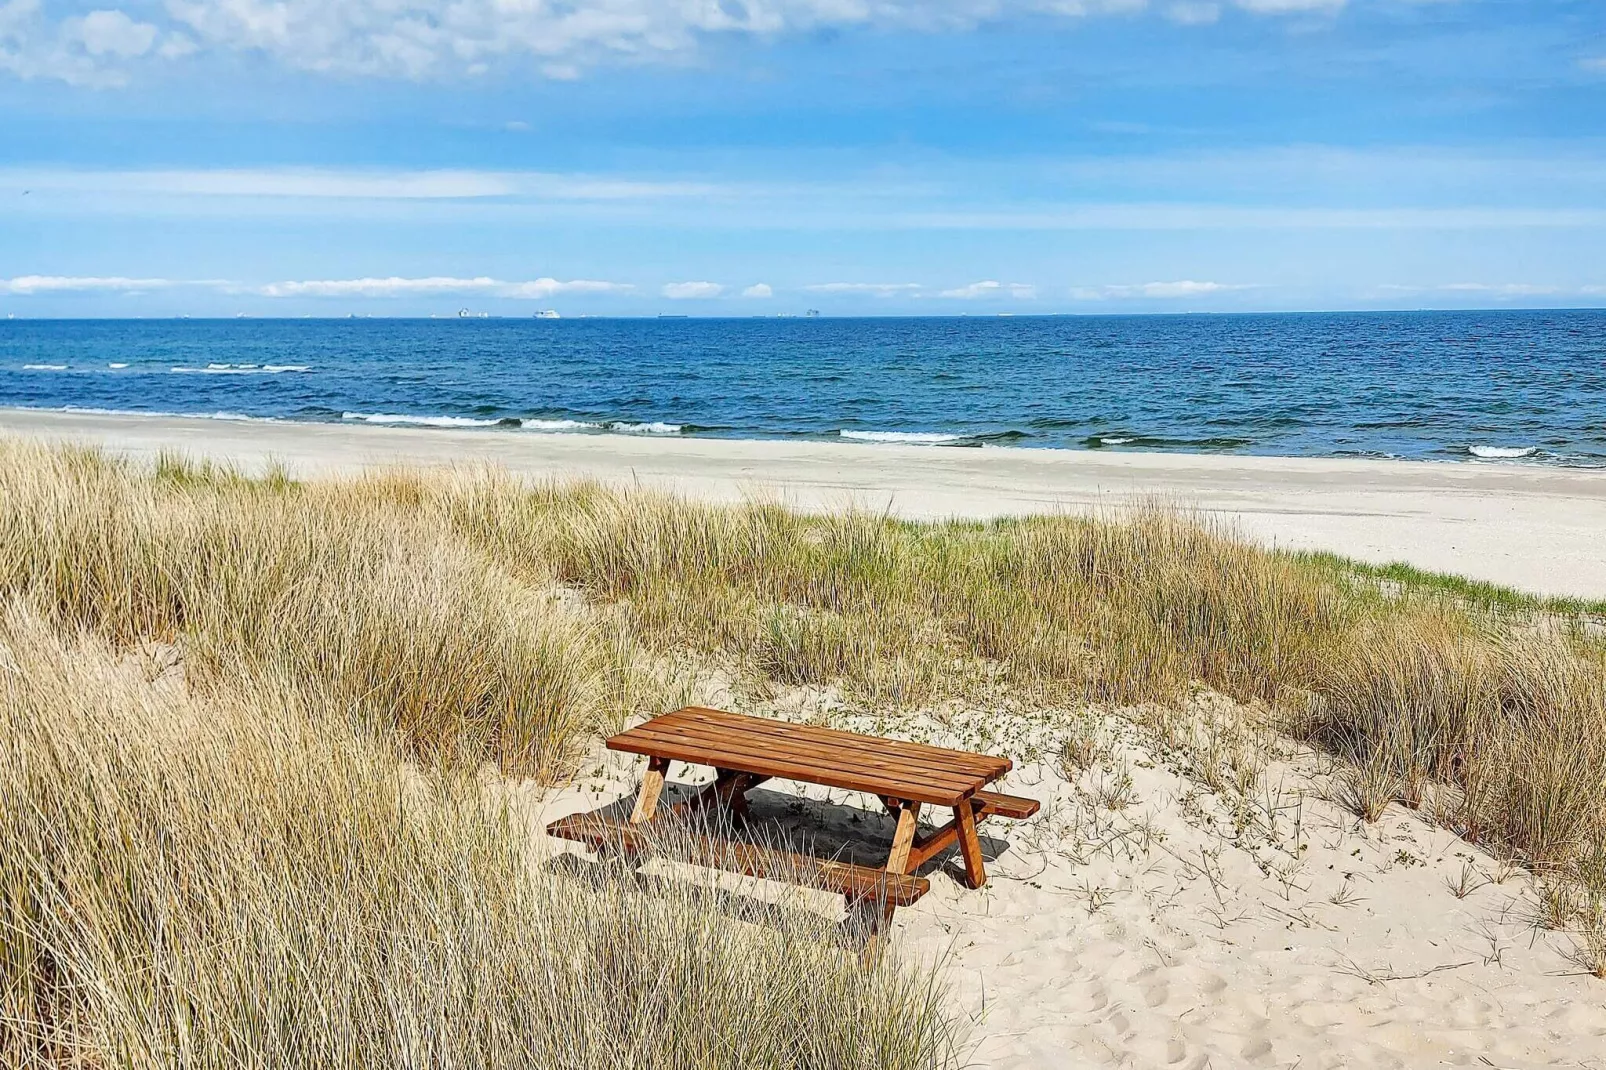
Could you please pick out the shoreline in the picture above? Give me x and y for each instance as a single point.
(1526, 526)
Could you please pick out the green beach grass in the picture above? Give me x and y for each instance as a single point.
(206, 674)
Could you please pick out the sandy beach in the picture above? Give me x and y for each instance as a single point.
(1534, 528)
(1162, 933)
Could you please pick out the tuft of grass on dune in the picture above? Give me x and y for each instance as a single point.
(1460, 589)
(1434, 682)
(359, 602)
(240, 879)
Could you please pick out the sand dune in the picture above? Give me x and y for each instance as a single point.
(1534, 528)
(1174, 930)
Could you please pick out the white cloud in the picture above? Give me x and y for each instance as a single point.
(395, 286)
(88, 49)
(1156, 291)
(547, 287)
(992, 288)
(1594, 63)
(1498, 289)
(758, 289)
(879, 289)
(681, 291)
(112, 33)
(36, 284)
(1505, 289)
(318, 183)
(1193, 13)
(429, 39)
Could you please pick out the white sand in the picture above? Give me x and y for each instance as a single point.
(1166, 933)
(1538, 529)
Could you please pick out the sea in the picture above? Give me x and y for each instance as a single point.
(1502, 387)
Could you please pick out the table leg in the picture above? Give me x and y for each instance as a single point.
(969, 845)
(903, 838)
(878, 916)
(652, 786)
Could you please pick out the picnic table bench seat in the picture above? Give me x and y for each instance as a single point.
(855, 882)
(746, 751)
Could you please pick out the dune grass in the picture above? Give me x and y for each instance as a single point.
(233, 820)
(1488, 705)
(241, 880)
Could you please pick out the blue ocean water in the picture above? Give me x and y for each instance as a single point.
(1509, 386)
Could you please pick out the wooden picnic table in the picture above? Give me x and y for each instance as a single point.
(746, 751)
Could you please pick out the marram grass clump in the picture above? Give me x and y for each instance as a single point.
(240, 879)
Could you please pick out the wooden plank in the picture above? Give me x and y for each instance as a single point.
(717, 741)
(993, 804)
(854, 753)
(807, 736)
(930, 846)
(904, 837)
(843, 878)
(823, 743)
(685, 749)
(928, 756)
(652, 786)
(862, 751)
(970, 846)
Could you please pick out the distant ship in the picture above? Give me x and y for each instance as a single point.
(548, 314)
(812, 312)
(466, 314)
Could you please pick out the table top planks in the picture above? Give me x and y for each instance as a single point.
(912, 772)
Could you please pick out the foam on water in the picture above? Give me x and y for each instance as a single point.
(44, 367)
(559, 425)
(239, 369)
(1502, 453)
(418, 421)
(652, 428)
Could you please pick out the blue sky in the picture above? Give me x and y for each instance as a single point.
(736, 157)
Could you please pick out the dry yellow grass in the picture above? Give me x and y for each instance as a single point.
(323, 629)
(241, 880)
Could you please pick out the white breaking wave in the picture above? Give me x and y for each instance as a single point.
(116, 365)
(1502, 452)
(419, 421)
(558, 425)
(44, 367)
(654, 428)
(84, 410)
(239, 369)
(1112, 441)
(916, 438)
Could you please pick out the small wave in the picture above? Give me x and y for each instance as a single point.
(557, 425)
(1502, 453)
(239, 369)
(44, 367)
(422, 421)
(1157, 442)
(911, 438)
(653, 428)
(116, 365)
(85, 410)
